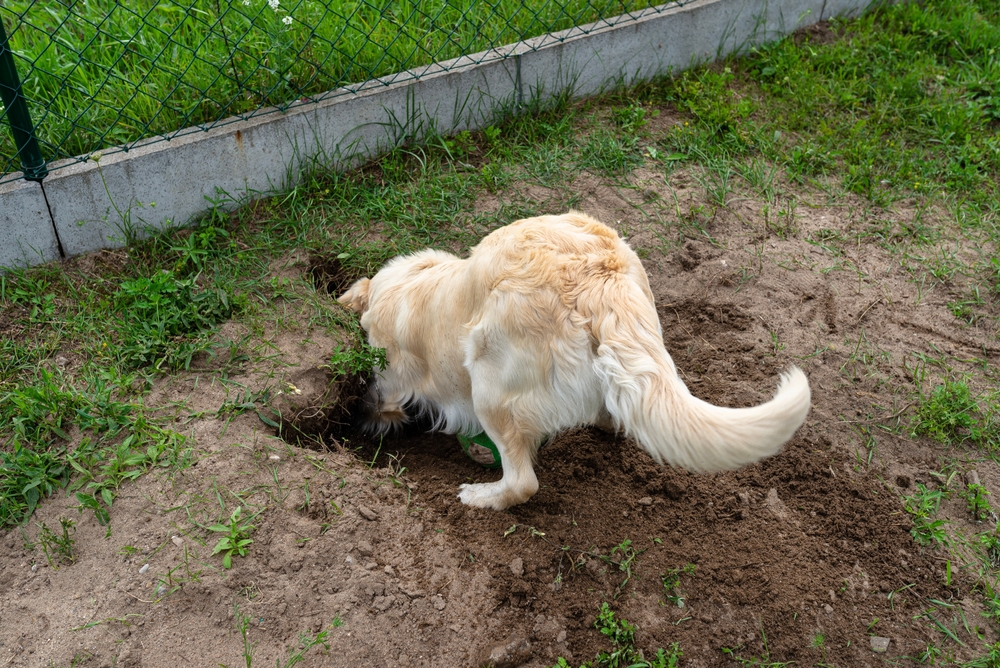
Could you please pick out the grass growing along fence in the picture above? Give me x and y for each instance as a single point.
(103, 73)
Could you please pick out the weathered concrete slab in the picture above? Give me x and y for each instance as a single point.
(591, 58)
(26, 234)
(104, 202)
(848, 8)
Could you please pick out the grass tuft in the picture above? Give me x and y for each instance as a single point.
(951, 414)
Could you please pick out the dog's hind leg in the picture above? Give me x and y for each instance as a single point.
(517, 449)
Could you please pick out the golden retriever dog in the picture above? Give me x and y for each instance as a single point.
(549, 324)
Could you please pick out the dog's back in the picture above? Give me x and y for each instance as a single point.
(573, 293)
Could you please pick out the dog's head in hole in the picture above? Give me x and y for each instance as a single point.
(549, 324)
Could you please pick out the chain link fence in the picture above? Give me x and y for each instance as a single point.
(85, 76)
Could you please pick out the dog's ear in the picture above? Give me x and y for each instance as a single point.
(356, 297)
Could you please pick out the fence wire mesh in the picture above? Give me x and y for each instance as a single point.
(100, 75)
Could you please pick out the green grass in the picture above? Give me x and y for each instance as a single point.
(951, 414)
(672, 583)
(623, 653)
(103, 73)
(58, 547)
(923, 505)
(905, 102)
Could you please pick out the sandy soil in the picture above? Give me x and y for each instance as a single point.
(800, 558)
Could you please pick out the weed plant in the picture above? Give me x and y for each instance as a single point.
(951, 414)
(672, 583)
(623, 653)
(235, 539)
(923, 505)
(58, 547)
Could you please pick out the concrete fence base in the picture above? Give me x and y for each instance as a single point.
(101, 203)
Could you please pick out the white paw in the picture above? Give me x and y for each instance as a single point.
(484, 495)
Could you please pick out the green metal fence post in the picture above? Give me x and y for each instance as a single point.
(32, 162)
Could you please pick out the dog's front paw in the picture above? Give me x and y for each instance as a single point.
(484, 495)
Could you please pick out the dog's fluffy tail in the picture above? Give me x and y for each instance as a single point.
(645, 396)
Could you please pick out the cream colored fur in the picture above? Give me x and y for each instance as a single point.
(549, 324)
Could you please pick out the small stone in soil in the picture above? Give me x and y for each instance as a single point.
(367, 513)
(145, 567)
(879, 644)
(828, 609)
(513, 653)
(517, 567)
(646, 501)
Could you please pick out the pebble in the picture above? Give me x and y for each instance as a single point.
(177, 540)
(828, 609)
(517, 567)
(972, 478)
(412, 591)
(439, 603)
(367, 513)
(274, 458)
(145, 567)
(646, 501)
(34, 568)
(514, 653)
(879, 645)
(365, 549)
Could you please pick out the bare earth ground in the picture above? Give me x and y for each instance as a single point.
(800, 558)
